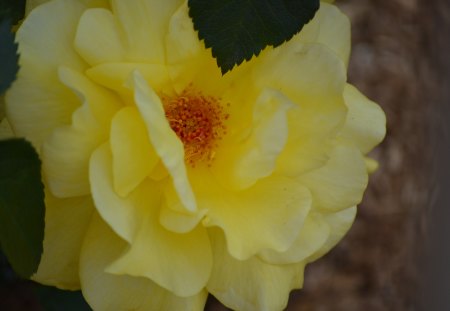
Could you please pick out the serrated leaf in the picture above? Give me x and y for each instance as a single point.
(54, 299)
(22, 208)
(236, 30)
(9, 59)
(12, 9)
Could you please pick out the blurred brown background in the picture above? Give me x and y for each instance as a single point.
(398, 247)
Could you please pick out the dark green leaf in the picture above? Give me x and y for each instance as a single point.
(12, 9)
(8, 56)
(238, 29)
(54, 299)
(22, 207)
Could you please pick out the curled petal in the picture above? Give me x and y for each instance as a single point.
(133, 156)
(313, 78)
(105, 291)
(251, 285)
(144, 23)
(312, 237)
(181, 263)
(67, 151)
(341, 182)
(47, 103)
(98, 39)
(339, 224)
(268, 215)
(329, 27)
(242, 162)
(66, 222)
(165, 142)
(365, 125)
(124, 215)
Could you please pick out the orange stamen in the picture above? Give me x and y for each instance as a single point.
(198, 121)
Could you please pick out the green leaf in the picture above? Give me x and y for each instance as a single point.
(22, 208)
(54, 299)
(238, 29)
(8, 56)
(12, 9)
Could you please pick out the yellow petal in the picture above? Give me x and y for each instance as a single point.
(67, 151)
(331, 28)
(340, 183)
(46, 103)
(144, 23)
(124, 215)
(243, 163)
(313, 78)
(105, 291)
(251, 284)
(365, 125)
(98, 38)
(133, 156)
(165, 142)
(371, 164)
(189, 62)
(115, 77)
(171, 216)
(268, 215)
(181, 263)
(311, 238)
(339, 224)
(66, 222)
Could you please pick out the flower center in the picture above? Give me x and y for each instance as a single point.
(199, 121)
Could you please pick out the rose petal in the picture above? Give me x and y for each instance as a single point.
(251, 284)
(66, 222)
(268, 215)
(242, 163)
(46, 103)
(166, 143)
(105, 291)
(311, 238)
(133, 156)
(98, 39)
(340, 183)
(365, 124)
(144, 23)
(66, 153)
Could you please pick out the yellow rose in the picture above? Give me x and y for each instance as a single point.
(166, 180)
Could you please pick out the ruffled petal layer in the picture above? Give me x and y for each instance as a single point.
(38, 102)
(340, 183)
(124, 215)
(67, 150)
(251, 285)
(331, 28)
(242, 161)
(339, 224)
(164, 140)
(66, 222)
(313, 78)
(181, 263)
(133, 156)
(268, 215)
(365, 125)
(312, 237)
(144, 23)
(105, 291)
(98, 39)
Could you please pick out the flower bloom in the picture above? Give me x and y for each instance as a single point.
(165, 180)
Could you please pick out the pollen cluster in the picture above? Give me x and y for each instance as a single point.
(199, 122)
